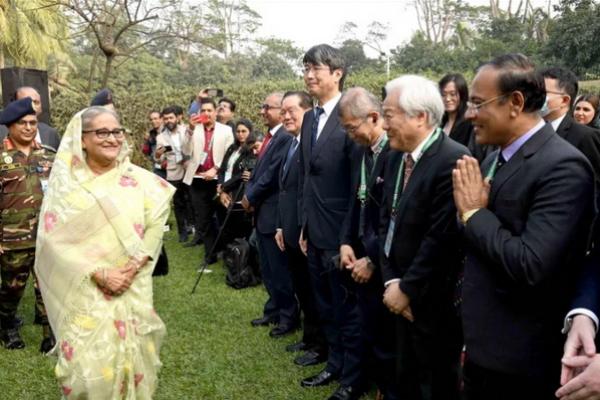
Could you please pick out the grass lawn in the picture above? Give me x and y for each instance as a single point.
(211, 352)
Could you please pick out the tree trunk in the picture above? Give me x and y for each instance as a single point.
(92, 71)
(107, 70)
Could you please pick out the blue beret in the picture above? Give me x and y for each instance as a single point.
(16, 110)
(102, 98)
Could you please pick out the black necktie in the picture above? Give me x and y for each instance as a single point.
(315, 125)
(501, 161)
(369, 161)
(290, 154)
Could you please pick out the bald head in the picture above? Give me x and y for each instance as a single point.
(28, 91)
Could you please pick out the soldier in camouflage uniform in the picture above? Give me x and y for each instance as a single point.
(24, 170)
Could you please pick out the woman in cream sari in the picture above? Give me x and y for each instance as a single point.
(101, 228)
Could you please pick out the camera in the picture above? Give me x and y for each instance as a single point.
(248, 164)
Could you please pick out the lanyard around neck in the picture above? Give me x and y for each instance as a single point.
(400, 175)
(362, 189)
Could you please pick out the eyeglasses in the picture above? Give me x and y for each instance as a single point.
(105, 133)
(314, 68)
(268, 107)
(475, 107)
(353, 129)
(556, 93)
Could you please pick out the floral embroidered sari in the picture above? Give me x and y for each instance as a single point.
(107, 347)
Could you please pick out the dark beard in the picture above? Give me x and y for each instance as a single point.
(171, 126)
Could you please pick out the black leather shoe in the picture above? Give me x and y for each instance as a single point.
(282, 330)
(346, 393)
(321, 379)
(263, 321)
(12, 339)
(298, 346)
(309, 358)
(47, 344)
(183, 237)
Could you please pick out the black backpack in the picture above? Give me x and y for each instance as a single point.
(241, 264)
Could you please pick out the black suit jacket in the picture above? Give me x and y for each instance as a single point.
(262, 190)
(425, 252)
(288, 199)
(232, 185)
(523, 255)
(326, 173)
(48, 135)
(366, 244)
(584, 138)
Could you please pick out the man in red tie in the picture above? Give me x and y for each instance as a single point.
(262, 194)
(420, 241)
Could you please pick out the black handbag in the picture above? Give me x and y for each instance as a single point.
(162, 264)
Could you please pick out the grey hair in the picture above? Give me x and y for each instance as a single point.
(358, 102)
(417, 95)
(279, 96)
(90, 114)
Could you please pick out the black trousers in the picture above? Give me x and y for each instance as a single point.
(484, 384)
(203, 198)
(380, 338)
(313, 335)
(282, 304)
(336, 300)
(428, 353)
(180, 205)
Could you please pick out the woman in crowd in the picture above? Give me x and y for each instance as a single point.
(585, 110)
(455, 93)
(100, 233)
(239, 158)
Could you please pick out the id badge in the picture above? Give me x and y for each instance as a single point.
(361, 221)
(44, 184)
(203, 157)
(389, 237)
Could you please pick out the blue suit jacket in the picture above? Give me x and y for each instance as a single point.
(326, 181)
(288, 199)
(262, 190)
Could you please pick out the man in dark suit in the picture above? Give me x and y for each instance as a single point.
(46, 135)
(324, 195)
(526, 229)
(293, 107)
(421, 255)
(262, 194)
(580, 377)
(561, 90)
(362, 118)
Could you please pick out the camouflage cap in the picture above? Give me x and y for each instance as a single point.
(16, 110)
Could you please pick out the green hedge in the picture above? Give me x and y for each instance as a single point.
(133, 106)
